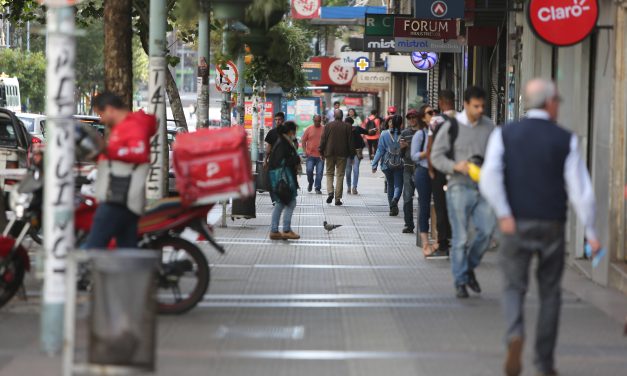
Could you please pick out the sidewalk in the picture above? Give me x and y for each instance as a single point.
(360, 300)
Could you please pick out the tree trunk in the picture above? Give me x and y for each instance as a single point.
(175, 100)
(118, 53)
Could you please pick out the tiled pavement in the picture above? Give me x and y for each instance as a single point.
(360, 300)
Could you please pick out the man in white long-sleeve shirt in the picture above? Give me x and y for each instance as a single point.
(531, 170)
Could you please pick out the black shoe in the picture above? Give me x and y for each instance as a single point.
(472, 282)
(338, 203)
(330, 199)
(408, 230)
(318, 192)
(309, 187)
(438, 255)
(394, 211)
(462, 293)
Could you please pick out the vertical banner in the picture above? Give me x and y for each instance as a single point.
(305, 9)
(156, 182)
(58, 220)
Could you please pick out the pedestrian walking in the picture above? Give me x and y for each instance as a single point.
(282, 164)
(352, 163)
(446, 104)
(460, 139)
(336, 145)
(353, 115)
(419, 155)
(122, 173)
(389, 155)
(529, 186)
(409, 170)
(311, 145)
(273, 135)
(330, 116)
(372, 125)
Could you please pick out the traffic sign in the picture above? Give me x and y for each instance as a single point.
(226, 77)
(362, 64)
(563, 22)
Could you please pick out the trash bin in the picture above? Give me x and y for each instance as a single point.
(122, 324)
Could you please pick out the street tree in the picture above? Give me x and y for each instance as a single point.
(30, 70)
(118, 52)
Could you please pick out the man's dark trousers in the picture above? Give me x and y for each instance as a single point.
(113, 222)
(545, 239)
(439, 203)
(409, 187)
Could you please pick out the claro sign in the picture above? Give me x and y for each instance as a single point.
(563, 22)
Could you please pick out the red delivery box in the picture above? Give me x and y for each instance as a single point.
(212, 165)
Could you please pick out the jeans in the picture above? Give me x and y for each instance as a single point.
(394, 180)
(409, 187)
(352, 168)
(336, 168)
(441, 215)
(423, 184)
(318, 164)
(546, 239)
(279, 208)
(372, 147)
(113, 222)
(465, 205)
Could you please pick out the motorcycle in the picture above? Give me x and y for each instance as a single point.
(183, 276)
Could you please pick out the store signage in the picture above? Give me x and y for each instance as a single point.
(378, 44)
(406, 27)
(377, 78)
(401, 64)
(340, 74)
(418, 44)
(379, 24)
(349, 58)
(312, 71)
(362, 64)
(439, 9)
(563, 22)
(305, 9)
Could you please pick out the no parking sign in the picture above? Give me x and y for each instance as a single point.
(226, 77)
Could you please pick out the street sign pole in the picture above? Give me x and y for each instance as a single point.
(202, 104)
(58, 221)
(226, 95)
(157, 181)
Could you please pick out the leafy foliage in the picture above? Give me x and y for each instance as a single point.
(30, 70)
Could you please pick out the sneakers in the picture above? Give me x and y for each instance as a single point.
(513, 364)
(461, 292)
(330, 198)
(318, 192)
(408, 230)
(276, 236)
(338, 203)
(355, 191)
(438, 254)
(473, 284)
(291, 235)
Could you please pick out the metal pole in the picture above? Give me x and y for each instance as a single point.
(58, 218)
(202, 102)
(28, 36)
(254, 147)
(157, 181)
(226, 96)
(241, 86)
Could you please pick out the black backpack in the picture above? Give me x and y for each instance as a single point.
(371, 127)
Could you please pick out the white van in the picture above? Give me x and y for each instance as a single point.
(10, 93)
(35, 124)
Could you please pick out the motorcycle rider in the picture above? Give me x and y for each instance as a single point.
(122, 172)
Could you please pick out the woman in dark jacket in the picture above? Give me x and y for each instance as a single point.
(352, 163)
(282, 165)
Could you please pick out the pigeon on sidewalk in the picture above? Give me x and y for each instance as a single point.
(329, 227)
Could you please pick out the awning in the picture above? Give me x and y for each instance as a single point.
(371, 82)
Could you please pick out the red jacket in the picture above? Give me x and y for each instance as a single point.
(129, 140)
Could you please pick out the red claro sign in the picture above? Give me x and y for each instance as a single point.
(563, 22)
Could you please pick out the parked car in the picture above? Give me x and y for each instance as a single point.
(15, 146)
(35, 124)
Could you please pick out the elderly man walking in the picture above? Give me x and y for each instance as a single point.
(529, 185)
(336, 145)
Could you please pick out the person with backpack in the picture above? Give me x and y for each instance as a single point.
(282, 165)
(446, 104)
(422, 178)
(460, 139)
(389, 154)
(373, 127)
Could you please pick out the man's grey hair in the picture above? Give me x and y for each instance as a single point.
(538, 92)
(338, 114)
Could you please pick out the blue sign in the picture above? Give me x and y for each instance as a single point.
(362, 64)
(439, 9)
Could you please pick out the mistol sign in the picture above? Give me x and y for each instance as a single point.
(563, 22)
